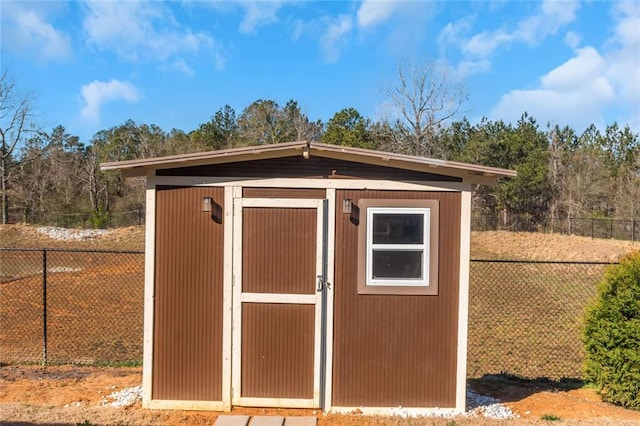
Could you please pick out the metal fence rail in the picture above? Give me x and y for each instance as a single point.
(618, 229)
(74, 306)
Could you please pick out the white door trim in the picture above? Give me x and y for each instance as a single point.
(239, 298)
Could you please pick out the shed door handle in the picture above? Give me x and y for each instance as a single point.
(320, 283)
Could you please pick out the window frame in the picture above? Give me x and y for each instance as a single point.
(428, 284)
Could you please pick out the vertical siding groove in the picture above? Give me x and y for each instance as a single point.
(188, 301)
(392, 350)
(275, 241)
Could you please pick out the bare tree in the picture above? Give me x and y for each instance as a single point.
(14, 115)
(424, 98)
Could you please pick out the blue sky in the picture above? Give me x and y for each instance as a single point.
(93, 65)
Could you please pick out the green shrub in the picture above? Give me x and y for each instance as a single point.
(550, 418)
(612, 335)
(99, 219)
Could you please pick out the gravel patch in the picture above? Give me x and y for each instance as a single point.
(64, 234)
(124, 398)
(477, 405)
(485, 406)
(64, 269)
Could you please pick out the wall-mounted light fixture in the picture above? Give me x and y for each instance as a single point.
(207, 202)
(347, 206)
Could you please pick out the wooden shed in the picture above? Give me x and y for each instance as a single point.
(306, 275)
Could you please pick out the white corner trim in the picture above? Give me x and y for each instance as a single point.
(331, 238)
(463, 300)
(236, 335)
(227, 299)
(149, 288)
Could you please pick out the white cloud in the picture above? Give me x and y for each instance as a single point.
(258, 13)
(467, 68)
(624, 60)
(485, 43)
(27, 30)
(403, 33)
(572, 40)
(332, 39)
(181, 66)
(584, 89)
(453, 33)
(373, 12)
(142, 31)
(586, 66)
(552, 15)
(96, 93)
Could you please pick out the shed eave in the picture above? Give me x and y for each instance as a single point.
(470, 173)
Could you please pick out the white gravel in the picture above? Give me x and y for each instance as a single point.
(64, 269)
(477, 405)
(124, 398)
(485, 406)
(64, 234)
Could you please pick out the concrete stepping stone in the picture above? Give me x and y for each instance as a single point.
(226, 420)
(267, 421)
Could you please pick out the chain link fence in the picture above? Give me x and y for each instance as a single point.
(525, 318)
(71, 306)
(618, 229)
(64, 306)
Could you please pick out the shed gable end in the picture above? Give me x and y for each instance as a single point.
(298, 167)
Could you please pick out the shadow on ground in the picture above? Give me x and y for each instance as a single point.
(509, 388)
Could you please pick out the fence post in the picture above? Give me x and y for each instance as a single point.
(611, 228)
(592, 228)
(44, 307)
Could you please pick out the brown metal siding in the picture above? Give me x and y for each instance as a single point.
(187, 350)
(279, 250)
(277, 350)
(290, 167)
(394, 350)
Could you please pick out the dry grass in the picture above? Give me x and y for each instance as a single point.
(27, 236)
(548, 247)
(484, 245)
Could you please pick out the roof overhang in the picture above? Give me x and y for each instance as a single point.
(468, 172)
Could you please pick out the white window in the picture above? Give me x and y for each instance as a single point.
(398, 246)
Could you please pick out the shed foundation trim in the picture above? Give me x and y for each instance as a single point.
(399, 411)
(164, 404)
(276, 402)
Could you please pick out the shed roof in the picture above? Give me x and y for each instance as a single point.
(468, 172)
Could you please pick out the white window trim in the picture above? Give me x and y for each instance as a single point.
(424, 247)
(360, 217)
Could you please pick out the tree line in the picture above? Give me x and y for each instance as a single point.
(561, 172)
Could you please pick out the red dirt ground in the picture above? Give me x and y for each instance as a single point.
(71, 394)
